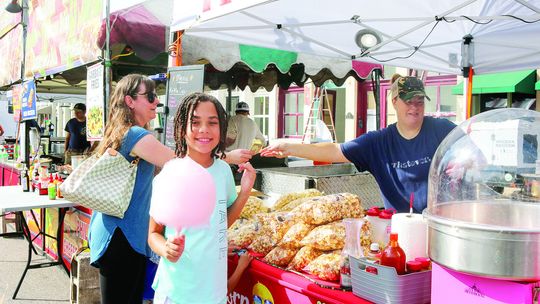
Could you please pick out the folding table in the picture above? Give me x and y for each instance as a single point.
(15, 200)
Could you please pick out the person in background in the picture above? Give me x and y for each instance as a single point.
(398, 156)
(76, 143)
(200, 275)
(242, 130)
(118, 247)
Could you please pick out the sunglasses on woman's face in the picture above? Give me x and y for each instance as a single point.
(150, 95)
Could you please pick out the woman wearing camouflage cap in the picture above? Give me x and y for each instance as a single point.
(398, 156)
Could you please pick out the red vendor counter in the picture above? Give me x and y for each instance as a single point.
(281, 287)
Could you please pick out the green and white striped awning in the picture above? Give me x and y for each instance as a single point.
(273, 66)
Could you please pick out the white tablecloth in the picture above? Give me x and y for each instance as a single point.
(13, 199)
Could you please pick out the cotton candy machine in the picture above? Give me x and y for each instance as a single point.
(481, 219)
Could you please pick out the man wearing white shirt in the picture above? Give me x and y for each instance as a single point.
(242, 130)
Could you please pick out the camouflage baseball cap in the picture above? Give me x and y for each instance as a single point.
(410, 86)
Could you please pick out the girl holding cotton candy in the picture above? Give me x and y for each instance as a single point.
(193, 202)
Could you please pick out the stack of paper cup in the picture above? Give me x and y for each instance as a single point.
(412, 234)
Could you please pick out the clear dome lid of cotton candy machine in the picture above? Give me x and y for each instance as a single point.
(483, 199)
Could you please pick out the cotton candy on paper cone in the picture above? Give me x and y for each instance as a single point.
(183, 194)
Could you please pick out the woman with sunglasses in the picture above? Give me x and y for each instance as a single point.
(398, 156)
(118, 247)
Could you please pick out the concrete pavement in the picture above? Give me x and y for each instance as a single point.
(50, 285)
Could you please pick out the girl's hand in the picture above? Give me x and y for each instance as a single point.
(231, 250)
(248, 177)
(174, 247)
(244, 260)
(238, 156)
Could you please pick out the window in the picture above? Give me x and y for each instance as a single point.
(443, 104)
(293, 113)
(260, 113)
(448, 101)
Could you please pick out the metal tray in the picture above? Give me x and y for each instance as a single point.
(329, 179)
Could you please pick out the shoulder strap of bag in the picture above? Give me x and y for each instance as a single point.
(114, 152)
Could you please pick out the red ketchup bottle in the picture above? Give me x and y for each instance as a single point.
(393, 255)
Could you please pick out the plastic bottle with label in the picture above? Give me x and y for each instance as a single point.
(374, 254)
(393, 255)
(51, 188)
(386, 217)
(3, 153)
(372, 215)
(25, 182)
(381, 224)
(58, 181)
(35, 179)
(43, 183)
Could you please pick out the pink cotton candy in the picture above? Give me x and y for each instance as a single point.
(183, 195)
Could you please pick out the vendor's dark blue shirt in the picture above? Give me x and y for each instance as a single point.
(399, 165)
(77, 130)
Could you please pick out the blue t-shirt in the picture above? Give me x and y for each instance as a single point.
(200, 275)
(134, 225)
(400, 166)
(77, 132)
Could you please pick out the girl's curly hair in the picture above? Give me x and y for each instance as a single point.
(182, 120)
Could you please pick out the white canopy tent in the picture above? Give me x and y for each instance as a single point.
(442, 36)
(133, 21)
(427, 35)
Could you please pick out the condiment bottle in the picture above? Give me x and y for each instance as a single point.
(51, 188)
(426, 262)
(30, 172)
(374, 254)
(393, 255)
(58, 181)
(25, 183)
(386, 218)
(35, 180)
(43, 181)
(372, 213)
(414, 266)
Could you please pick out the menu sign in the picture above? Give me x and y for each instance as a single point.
(182, 81)
(95, 118)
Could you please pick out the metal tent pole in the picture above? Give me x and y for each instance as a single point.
(24, 24)
(107, 56)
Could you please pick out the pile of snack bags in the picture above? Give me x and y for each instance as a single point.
(302, 232)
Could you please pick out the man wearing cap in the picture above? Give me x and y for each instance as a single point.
(398, 156)
(242, 130)
(76, 143)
